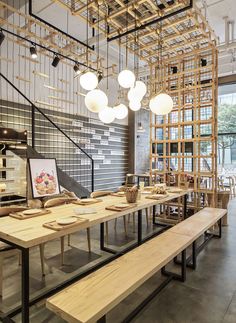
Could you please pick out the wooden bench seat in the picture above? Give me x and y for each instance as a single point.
(92, 297)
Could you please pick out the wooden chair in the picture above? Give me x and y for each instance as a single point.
(230, 186)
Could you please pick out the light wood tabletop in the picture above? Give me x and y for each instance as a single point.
(30, 232)
(92, 297)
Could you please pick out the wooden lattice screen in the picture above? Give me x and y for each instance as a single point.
(184, 142)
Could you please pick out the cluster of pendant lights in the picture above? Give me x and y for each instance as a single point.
(96, 100)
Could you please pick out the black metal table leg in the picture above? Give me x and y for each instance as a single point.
(185, 206)
(102, 236)
(25, 285)
(139, 227)
(194, 255)
(102, 319)
(153, 214)
(220, 227)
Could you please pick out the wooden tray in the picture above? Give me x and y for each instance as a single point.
(118, 194)
(21, 216)
(53, 225)
(80, 202)
(156, 196)
(118, 209)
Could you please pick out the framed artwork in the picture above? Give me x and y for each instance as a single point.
(43, 175)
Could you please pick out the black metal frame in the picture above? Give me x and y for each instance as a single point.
(48, 49)
(35, 108)
(54, 27)
(155, 21)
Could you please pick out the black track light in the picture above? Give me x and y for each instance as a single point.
(2, 37)
(55, 61)
(33, 52)
(100, 76)
(76, 69)
(203, 62)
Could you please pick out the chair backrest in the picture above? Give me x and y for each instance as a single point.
(100, 193)
(130, 179)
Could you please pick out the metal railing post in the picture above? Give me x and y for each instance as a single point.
(92, 161)
(33, 126)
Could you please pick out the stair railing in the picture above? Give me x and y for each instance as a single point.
(34, 108)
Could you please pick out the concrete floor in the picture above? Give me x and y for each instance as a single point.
(207, 296)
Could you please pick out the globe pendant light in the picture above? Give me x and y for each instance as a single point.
(126, 79)
(141, 88)
(135, 105)
(161, 104)
(96, 100)
(134, 94)
(88, 81)
(107, 115)
(121, 111)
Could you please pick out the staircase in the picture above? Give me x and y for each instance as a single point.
(47, 140)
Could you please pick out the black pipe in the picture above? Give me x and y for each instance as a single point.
(48, 49)
(54, 27)
(152, 22)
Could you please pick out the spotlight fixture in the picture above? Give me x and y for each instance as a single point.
(203, 62)
(55, 61)
(76, 69)
(100, 76)
(33, 52)
(2, 37)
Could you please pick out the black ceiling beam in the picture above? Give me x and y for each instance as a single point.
(152, 22)
(54, 27)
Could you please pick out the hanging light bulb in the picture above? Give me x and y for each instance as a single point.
(135, 105)
(107, 115)
(141, 88)
(88, 81)
(126, 79)
(76, 69)
(96, 100)
(134, 94)
(161, 104)
(121, 111)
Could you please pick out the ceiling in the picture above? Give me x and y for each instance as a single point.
(217, 13)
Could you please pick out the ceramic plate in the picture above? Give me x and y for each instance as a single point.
(68, 220)
(31, 211)
(122, 205)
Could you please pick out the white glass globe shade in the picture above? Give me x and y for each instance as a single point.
(88, 81)
(135, 105)
(134, 94)
(161, 104)
(126, 79)
(121, 111)
(107, 115)
(96, 100)
(141, 88)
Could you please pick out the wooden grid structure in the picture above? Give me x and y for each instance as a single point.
(182, 56)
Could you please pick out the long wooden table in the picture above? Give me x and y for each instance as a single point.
(24, 234)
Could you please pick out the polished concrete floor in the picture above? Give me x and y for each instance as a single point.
(207, 296)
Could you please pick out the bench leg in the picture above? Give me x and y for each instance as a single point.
(175, 276)
(191, 261)
(102, 319)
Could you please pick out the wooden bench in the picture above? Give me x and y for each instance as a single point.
(92, 297)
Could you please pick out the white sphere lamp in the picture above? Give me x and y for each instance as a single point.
(121, 111)
(134, 94)
(141, 88)
(135, 105)
(161, 104)
(106, 115)
(88, 81)
(96, 100)
(126, 79)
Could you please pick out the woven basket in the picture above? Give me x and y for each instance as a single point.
(131, 195)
